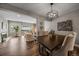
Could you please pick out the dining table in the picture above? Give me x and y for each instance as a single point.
(49, 44)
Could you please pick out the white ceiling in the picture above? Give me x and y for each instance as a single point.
(14, 16)
(43, 8)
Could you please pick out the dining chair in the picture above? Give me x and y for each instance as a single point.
(67, 45)
(28, 37)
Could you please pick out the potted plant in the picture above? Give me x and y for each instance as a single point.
(16, 28)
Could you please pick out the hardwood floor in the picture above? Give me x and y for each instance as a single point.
(17, 46)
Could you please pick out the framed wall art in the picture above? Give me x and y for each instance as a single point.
(65, 26)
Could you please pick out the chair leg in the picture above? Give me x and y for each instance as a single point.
(39, 49)
(66, 53)
(72, 53)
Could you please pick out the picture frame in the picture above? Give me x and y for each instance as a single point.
(65, 26)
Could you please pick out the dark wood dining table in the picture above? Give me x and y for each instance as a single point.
(48, 43)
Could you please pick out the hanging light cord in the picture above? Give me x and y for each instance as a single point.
(51, 6)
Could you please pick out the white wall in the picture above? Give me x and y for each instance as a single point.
(5, 26)
(74, 16)
(47, 25)
(39, 30)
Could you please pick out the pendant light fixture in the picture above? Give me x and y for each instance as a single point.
(53, 13)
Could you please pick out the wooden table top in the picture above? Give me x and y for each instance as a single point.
(48, 43)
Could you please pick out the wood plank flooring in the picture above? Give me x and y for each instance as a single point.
(17, 46)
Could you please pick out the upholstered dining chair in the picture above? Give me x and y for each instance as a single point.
(28, 37)
(67, 45)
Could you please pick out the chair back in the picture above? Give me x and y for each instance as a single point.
(28, 37)
(69, 41)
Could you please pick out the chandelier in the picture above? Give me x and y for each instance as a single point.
(52, 14)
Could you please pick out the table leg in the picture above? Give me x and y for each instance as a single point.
(50, 53)
(40, 50)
